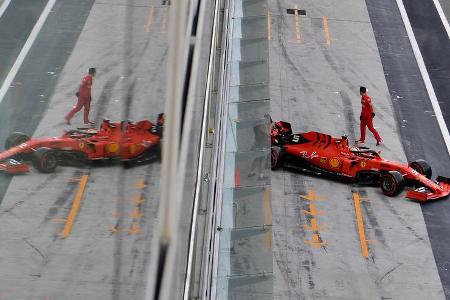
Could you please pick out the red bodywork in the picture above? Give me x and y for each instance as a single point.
(323, 153)
(125, 141)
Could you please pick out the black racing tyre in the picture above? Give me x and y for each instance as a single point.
(45, 160)
(15, 139)
(276, 157)
(392, 183)
(422, 167)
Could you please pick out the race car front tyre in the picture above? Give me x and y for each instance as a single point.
(422, 167)
(45, 160)
(15, 139)
(392, 183)
(276, 157)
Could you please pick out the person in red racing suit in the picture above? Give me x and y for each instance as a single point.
(84, 98)
(366, 117)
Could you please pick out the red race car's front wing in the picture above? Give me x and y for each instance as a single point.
(12, 166)
(433, 191)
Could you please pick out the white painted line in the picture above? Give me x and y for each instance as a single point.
(26, 48)
(442, 15)
(4, 7)
(425, 76)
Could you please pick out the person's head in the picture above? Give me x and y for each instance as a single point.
(362, 90)
(92, 71)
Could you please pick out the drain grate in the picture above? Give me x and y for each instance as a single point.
(291, 11)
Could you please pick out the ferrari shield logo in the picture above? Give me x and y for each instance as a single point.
(323, 160)
(335, 163)
(81, 145)
(363, 164)
(133, 148)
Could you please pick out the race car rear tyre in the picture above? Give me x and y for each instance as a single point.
(276, 157)
(422, 167)
(392, 183)
(45, 160)
(15, 139)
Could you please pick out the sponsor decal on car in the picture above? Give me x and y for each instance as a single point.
(305, 155)
(113, 147)
(323, 160)
(335, 162)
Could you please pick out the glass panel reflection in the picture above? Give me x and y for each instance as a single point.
(245, 268)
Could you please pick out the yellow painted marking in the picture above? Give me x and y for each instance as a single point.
(359, 220)
(313, 211)
(140, 184)
(117, 214)
(314, 226)
(75, 179)
(134, 229)
(138, 199)
(312, 196)
(269, 25)
(315, 241)
(327, 31)
(113, 229)
(297, 25)
(136, 214)
(151, 12)
(59, 220)
(75, 207)
(164, 19)
(267, 220)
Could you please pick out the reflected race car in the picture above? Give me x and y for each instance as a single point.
(320, 154)
(127, 142)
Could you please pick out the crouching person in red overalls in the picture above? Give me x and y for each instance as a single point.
(367, 114)
(84, 98)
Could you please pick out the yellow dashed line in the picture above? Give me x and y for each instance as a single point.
(359, 220)
(269, 25)
(315, 241)
(297, 25)
(151, 12)
(164, 19)
(134, 229)
(140, 184)
(327, 31)
(75, 207)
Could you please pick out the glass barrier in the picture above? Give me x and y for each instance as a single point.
(245, 268)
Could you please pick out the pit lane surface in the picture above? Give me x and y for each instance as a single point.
(105, 254)
(317, 64)
(419, 130)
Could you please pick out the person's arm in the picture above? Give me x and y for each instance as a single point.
(372, 107)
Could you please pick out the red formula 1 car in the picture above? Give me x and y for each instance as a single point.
(127, 142)
(320, 154)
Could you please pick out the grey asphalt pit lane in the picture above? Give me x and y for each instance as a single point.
(291, 11)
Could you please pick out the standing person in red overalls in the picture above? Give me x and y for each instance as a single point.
(84, 98)
(366, 117)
